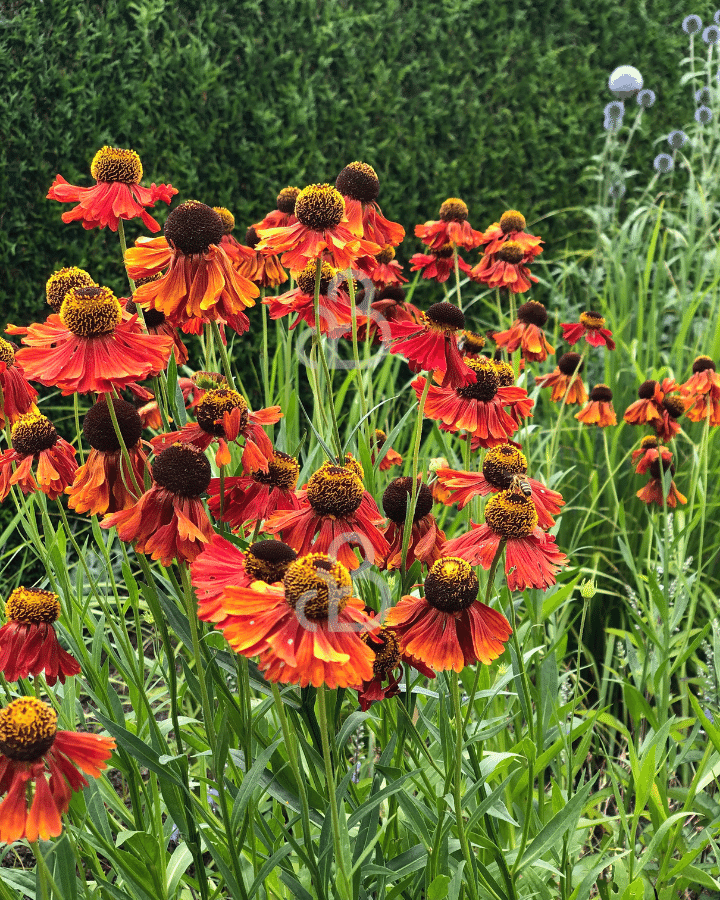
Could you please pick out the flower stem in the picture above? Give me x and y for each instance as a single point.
(223, 355)
(457, 788)
(194, 631)
(48, 887)
(456, 263)
(123, 248)
(121, 440)
(321, 355)
(410, 514)
(356, 355)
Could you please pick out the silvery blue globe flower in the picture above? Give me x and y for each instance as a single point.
(615, 110)
(677, 139)
(616, 190)
(646, 98)
(663, 162)
(625, 81)
(691, 24)
(611, 124)
(703, 96)
(711, 35)
(703, 115)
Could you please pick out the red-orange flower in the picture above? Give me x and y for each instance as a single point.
(438, 264)
(156, 323)
(653, 490)
(701, 392)
(426, 539)
(591, 328)
(390, 458)
(33, 438)
(452, 227)
(333, 302)
(507, 268)
(104, 484)
(335, 515)
(263, 269)
(237, 252)
(117, 194)
(432, 345)
(390, 306)
(387, 666)
(201, 283)
(566, 381)
(599, 410)
(305, 630)
(89, 348)
(28, 643)
(249, 499)
(532, 558)
(359, 185)
(284, 215)
(384, 269)
(169, 521)
(31, 747)
(221, 565)
(503, 467)
(647, 451)
(17, 397)
(321, 231)
(649, 409)
(527, 333)
(449, 628)
(511, 227)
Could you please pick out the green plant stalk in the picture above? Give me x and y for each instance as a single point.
(610, 476)
(456, 264)
(123, 249)
(317, 340)
(558, 422)
(356, 356)
(78, 432)
(523, 674)
(223, 355)
(47, 883)
(123, 447)
(457, 788)
(410, 514)
(188, 598)
(265, 361)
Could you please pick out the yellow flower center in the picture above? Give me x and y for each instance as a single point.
(319, 206)
(386, 255)
(350, 463)
(27, 729)
(453, 210)
(59, 283)
(487, 382)
(472, 342)
(306, 278)
(387, 653)
(283, 472)
(114, 164)
(511, 252)
(228, 219)
(334, 491)
(7, 354)
(32, 606)
(451, 585)
(90, 311)
(316, 585)
(702, 363)
(511, 515)
(512, 220)
(33, 433)
(649, 443)
(502, 463)
(359, 181)
(286, 199)
(592, 320)
(268, 561)
(504, 372)
(215, 404)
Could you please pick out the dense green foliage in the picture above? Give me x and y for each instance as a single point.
(500, 104)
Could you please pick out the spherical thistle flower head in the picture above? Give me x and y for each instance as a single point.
(716, 17)
(117, 194)
(599, 410)
(449, 628)
(646, 98)
(692, 24)
(104, 484)
(614, 111)
(59, 283)
(28, 643)
(703, 115)
(32, 748)
(703, 96)
(677, 139)
(527, 333)
(34, 438)
(625, 81)
(88, 347)
(663, 163)
(169, 521)
(306, 630)
(616, 191)
(711, 35)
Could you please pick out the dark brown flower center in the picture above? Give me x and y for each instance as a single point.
(319, 206)
(182, 469)
(306, 278)
(511, 515)
(114, 164)
(601, 393)
(317, 586)
(32, 606)
(268, 561)
(27, 729)
(358, 181)
(154, 318)
(443, 252)
(445, 315)
(650, 442)
(386, 647)
(702, 363)
(283, 471)
(451, 585)
(533, 313)
(660, 465)
(33, 433)
(192, 227)
(502, 463)
(647, 390)
(227, 218)
(90, 311)
(397, 496)
(392, 292)
(453, 210)
(569, 363)
(511, 252)
(252, 238)
(334, 491)
(98, 425)
(512, 220)
(214, 404)
(286, 200)
(487, 384)
(674, 406)
(59, 283)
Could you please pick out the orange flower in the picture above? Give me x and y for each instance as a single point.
(31, 747)
(390, 457)
(335, 514)
(449, 628)
(701, 392)
(284, 215)
(648, 410)
(263, 269)
(503, 467)
(201, 283)
(511, 227)
(34, 439)
(653, 490)
(591, 328)
(531, 560)
(384, 269)
(221, 565)
(438, 264)
(452, 227)
(565, 381)
(28, 643)
(599, 410)
(117, 194)
(104, 484)
(89, 348)
(646, 453)
(390, 306)
(223, 415)
(527, 333)
(387, 666)
(252, 498)
(334, 301)
(156, 323)
(305, 630)
(359, 185)
(426, 539)
(238, 253)
(17, 397)
(321, 231)
(507, 268)
(169, 521)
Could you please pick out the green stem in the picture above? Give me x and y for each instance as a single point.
(321, 354)
(410, 514)
(523, 674)
(265, 361)
(223, 355)
(76, 408)
(457, 789)
(556, 428)
(356, 355)
(123, 248)
(47, 882)
(191, 612)
(456, 263)
(123, 447)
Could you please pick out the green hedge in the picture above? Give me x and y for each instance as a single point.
(499, 103)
